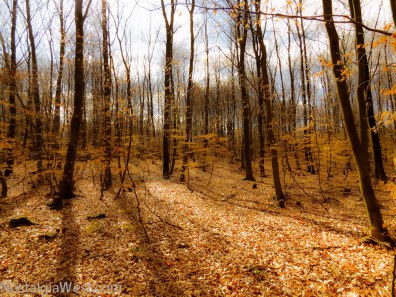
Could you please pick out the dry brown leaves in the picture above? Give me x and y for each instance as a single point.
(225, 239)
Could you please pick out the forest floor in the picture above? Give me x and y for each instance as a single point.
(226, 237)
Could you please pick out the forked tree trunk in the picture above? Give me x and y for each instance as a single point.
(359, 146)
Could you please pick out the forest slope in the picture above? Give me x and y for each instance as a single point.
(227, 238)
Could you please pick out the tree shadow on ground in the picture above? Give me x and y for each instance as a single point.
(163, 240)
(68, 258)
(159, 283)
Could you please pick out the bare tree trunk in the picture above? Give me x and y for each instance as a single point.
(293, 103)
(169, 88)
(242, 30)
(232, 106)
(12, 85)
(390, 83)
(311, 123)
(190, 86)
(292, 83)
(280, 197)
(107, 102)
(218, 113)
(58, 91)
(141, 107)
(207, 89)
(67, 182)
(393, 7)
(50, 139)
(35, 92)
(306, 92)
(12, 66)
(150, 91)
(359, 146)
(125, 60)
(282, 118)
(175, 118)
(260, 98)
(96, 85)
(365, 96)
(117, 114)
(83, 133)
(29, 120)
(151, 111)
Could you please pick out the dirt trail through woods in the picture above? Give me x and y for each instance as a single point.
(221, 239)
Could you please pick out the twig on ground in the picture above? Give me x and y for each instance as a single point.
(305, 192)
(138, 207)
(158, 216)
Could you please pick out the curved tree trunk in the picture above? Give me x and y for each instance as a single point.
(359, 146)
